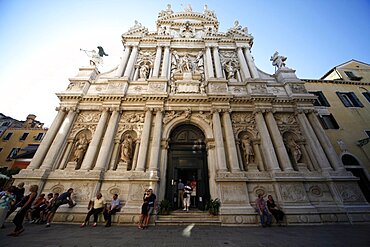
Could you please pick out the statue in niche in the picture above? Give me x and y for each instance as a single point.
(144, 71)
(248, 150)
(173, 87)
(185, 63)
(126, 149)
(230, 69)
(81, 147)
(342, 145)
(278, 61)
(294, 149)
(202, 88)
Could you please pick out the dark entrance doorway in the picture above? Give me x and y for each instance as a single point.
(187, 160)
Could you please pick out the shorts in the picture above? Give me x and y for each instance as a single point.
(56, 206)
(150, 211)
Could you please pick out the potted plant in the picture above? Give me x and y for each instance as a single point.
(165, 207)
(213, 206)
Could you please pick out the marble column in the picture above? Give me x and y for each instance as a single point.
(131, 62)
(107, 144)
(144, 143)
(136, 155)
(157, 62)
(250, 62)
(219, 142)
(156, 141)
(124, 60)
(216, 57)
(113, 162)
(166, 60)
(243, 64)
(267, 146)
(48, 139)
(314, 142)
(66, 155)
(325, 142)
(92, 150)
(57, 144)
(258, 157)
(209, 63)
(230, 143)
(278, 142)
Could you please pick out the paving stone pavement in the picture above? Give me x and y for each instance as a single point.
(205, 236)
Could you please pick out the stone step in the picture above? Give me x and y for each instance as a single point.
(185, 218)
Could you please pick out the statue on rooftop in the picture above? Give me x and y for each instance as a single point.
(96, 58)
(278, 61)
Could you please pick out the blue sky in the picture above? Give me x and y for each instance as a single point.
(41, 40)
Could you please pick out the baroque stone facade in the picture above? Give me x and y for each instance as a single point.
(188, 102)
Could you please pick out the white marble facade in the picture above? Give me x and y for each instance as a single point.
(261, 135)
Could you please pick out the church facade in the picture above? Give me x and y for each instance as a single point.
(188, 102)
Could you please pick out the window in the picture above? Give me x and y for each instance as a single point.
(349, 99)
(13, 153)
(366, 95)
(1, 149)
(321, 99)
(328, 122)
(5, 124)
(367, 133)
(39, 136)
(23, 137)
(352, 76)
(7, 137)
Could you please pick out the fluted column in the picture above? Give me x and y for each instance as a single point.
(92, 150)
(48, 139)
(113, 161)
(219, 142)
(60, 138)
(216, 57)
(314, 142)
(124, 60)
(136, 155)
(243, 64)
(131, 62)
(106, 146)
(166, 59)
(278, 142)
(156, 141)
(267, 146)
(230, 143)
(157, 61)
(144, 141)
(66, 154)
(209, 63)
(258, 157)
(250, 62)
(325, 142)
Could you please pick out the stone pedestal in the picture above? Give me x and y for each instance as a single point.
(123, 166)
(71, 166)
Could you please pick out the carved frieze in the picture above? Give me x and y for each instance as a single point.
(77, 127)
(76, 85)
(130, 121)
(259, 88)
(244, 122)
(206, 117)
(168, 116)
(293, 192)
(298, 88)
(350, 192)
(88, 117)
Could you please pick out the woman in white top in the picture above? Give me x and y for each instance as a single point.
(95, 208)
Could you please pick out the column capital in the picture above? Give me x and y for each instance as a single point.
(146, 109)
(158, 109)
(214, 110)
(114, 108)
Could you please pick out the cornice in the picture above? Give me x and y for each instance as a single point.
(336, 82)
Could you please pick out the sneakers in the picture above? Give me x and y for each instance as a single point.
(95, 224)
(47, 225)
(83, 225)
(184, 209)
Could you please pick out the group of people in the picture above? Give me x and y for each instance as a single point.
(147, 208)
(36, 208)
(268, 208)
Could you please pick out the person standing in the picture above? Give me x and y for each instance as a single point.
(7, 200)
(95, 209)
(152, 203)
(19, 194)
(187, 195)
(26, 205)
(144, 209)
(180, 193)
(64, 198)
(114, 207)
(263, 211)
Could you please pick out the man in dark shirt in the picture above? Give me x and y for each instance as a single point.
(152, 204)
(64, 198)
(19, 194)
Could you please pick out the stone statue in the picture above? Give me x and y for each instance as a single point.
(294, 149)
(173, 87)
(236, 25)
(202, 87)
(188, 8)
(126, 149)
(136, 25)
(184, 64)
(167, 11)
(208, 12)
(230, 70)
(81, 147)
(342, 145)
(144, 71)
(96, 58)
(248, 150)
(199, 62)
(278, 61)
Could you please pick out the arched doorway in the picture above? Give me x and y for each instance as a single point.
(187, 160)
(351, 164)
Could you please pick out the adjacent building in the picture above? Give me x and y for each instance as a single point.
(343, 106)
(188, 102)
(20, 138)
